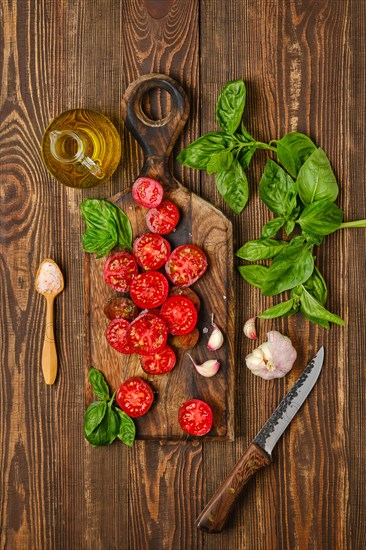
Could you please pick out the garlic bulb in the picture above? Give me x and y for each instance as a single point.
(249, 329)
(208, 368)
(274, 358)
(217, 338)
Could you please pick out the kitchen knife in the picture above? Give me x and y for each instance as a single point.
(259, 453)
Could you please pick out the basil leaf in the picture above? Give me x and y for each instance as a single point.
(274, 186)
(254, 274)
(233, 186)
(97, 241)
(127, 429)
(293, 150)
(317, 286)
(245, 133)
(311, 307)
(94, 415)
(279, 310)
(271, 228)
(198, 153)
(316, 180)
(219, 161)
(261, 249)
(230, 105)
(106, 432)
(321, 218)
(245, 156)
(98, 383)
(290, 268)
(316, 320)
(289, 226)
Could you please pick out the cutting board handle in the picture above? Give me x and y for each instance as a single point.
(156, 137)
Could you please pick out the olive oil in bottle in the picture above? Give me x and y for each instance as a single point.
(81, 148)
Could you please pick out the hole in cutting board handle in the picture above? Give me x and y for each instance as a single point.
(156, 106)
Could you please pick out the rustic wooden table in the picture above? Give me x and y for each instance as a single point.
(304, 65)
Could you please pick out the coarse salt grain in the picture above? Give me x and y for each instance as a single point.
(49, 278)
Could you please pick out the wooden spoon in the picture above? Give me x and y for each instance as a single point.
(49, 354)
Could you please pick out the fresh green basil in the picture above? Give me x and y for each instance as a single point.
(311, 307)
(220, 161)
(293, 150)
(261, 249)
(321, 218)
(274, 187)
(230, 105)
(106, 432)
(290, 268)
(254, 274)
(232, 184)
(245, 156)
(98, 383)
(279, 310)
(94, 415)
(316, 286)
(245, 135)
(107, 226)
(198, 153)
(127, 429)
(289, 226)
(271, 228)
(316, 180)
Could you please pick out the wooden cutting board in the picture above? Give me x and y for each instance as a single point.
(201, 224)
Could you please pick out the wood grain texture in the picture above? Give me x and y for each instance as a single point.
(304, 66)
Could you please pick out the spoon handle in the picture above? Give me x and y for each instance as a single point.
(49, 354)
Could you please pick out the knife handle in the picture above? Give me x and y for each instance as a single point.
(213, 518)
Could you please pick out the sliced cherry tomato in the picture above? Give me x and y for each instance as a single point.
(135, 397)
(119, 270)
(116, 336)
(147, 192)
(186, 264)
(188, 293)
(121, 308)
(151, 251)
(149, 290)
(163, 218)
(159, 363)
(147, 334)
(186, 341)
(179, 314)
(195, 417)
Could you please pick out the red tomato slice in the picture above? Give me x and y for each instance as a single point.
(147, 192)
(195, 417)
(151, 251)
(149, 290)
(147, 334)
(135, 397)
(121, 308)
(163, 218)
(159, 363)
(186, 264)
(179, 314)
(188, 293)
(116, 336)
(119, 270)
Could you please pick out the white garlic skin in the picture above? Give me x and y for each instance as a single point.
(208, 368)
(216, 339)
(274, 358)
(249, 329)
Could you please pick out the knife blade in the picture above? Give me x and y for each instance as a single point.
(259, 454)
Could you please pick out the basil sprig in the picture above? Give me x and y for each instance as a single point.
(107, 226)
(103, 422)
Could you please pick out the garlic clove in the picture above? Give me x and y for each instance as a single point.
(272, 359)
(216, 339)
(249, 329)
(208, 368)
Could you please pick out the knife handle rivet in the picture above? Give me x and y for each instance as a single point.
(251, 463)
(211, 517)
(231, 490)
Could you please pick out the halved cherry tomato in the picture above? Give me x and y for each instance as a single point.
(119, 270)
(188, 293)
(147, 192)
(186, 264)
(163, 218)
(151, 251)
(195, 417)
(135, 397)
(149, 289)
(179, 314)
(159, 363)
(116, 336)
(147, 334)
(120, 307)
(185, 341)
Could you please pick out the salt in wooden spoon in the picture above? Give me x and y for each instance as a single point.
(49, 282)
